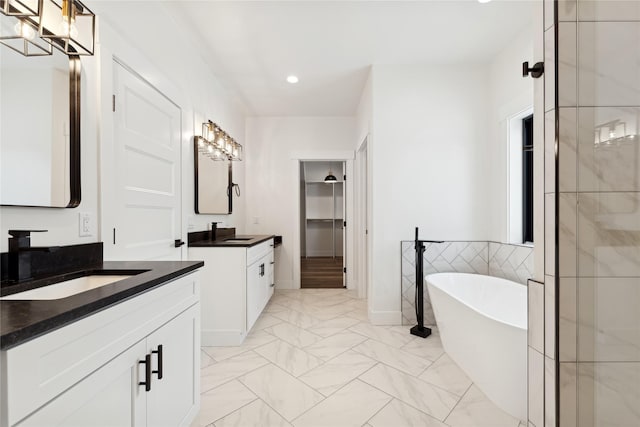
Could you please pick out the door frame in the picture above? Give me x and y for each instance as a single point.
(362, 218)
(329, 156)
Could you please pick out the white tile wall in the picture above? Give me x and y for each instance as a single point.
(610, 10)
(609, 166)
(536, 387)
(609, 234)
(609, 64)
(513, 262)
(608, 394)
(536, 315)
(609, 319)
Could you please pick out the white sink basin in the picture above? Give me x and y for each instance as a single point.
(66, 289)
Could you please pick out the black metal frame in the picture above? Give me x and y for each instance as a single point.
(75, 190)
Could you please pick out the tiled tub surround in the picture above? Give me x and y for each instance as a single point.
(313, 359)
(597, 277)
(512, 262)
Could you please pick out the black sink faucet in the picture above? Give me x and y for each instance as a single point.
(214, 231)
(20, 250)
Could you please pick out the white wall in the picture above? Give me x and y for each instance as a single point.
(172, 64)
(272, 175)
(510, 94)
(429, 166)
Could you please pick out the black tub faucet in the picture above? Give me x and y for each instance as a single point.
(20, 251)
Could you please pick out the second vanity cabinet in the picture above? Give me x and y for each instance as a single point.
(134, 364)
(237, 283)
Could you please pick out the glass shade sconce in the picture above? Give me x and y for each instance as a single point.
(612, 132)
(69, 26)
(20, 34)
(32, 27)
(217, 144)
(20, 8)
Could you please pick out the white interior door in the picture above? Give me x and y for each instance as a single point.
(147, 169)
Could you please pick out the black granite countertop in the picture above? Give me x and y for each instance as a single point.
(22, 320)
(231, 242)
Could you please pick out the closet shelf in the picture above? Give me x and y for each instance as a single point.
(324, 219)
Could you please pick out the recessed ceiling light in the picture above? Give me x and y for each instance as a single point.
(484, 1)
(292, 79)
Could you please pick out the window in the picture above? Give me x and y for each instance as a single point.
(527, 179)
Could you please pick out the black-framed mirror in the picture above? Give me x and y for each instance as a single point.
(213, 182)
(40, 130)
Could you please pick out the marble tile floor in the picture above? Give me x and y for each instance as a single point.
(313, 359)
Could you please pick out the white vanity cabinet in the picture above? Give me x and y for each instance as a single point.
(136, 363)
(237, 283)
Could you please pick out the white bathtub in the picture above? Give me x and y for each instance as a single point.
(483, 326)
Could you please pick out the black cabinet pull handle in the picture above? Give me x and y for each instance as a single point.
(147, 372)
(178, 243)
(273, 262)
(261, 273)
(160, 362)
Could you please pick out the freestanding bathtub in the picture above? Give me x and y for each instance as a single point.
(483, 326)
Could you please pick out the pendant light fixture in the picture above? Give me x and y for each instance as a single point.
(331, 178)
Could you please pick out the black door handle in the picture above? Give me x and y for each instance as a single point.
(160, 362)
(179, 243)
(147, 373)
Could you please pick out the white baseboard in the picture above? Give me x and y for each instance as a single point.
(213, 338)
(381, 318)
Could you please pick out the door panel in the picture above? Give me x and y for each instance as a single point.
(180, 368)
(148, 170)
(108, 397)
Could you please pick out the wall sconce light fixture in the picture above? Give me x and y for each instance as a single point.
(21, 35)
(612, 132)
(20, 8)
(217, 145)
(67, 25)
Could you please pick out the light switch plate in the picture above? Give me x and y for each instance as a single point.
(85, 224)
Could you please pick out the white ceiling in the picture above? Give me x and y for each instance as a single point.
(330, 45)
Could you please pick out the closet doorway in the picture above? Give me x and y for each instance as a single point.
(322, 223)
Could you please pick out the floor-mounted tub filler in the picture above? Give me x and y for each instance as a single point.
(483, 326)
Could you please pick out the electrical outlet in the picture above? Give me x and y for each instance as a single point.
(85, 224)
